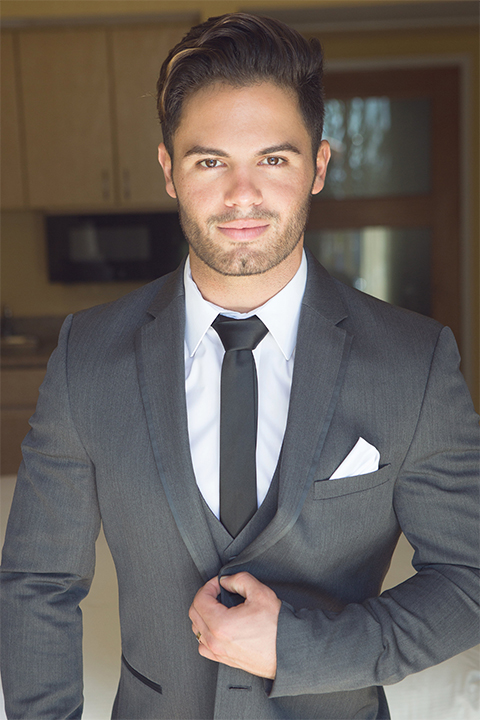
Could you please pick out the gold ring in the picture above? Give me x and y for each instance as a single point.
(198, 635)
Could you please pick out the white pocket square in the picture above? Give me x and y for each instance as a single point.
(362, 459)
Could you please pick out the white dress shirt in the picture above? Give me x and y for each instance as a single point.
(274, 358)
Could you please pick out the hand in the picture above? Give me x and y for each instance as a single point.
(243, 636)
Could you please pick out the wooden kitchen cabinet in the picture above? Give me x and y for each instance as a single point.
(138, 53)
(13, 194)
(67, 117)
(89, 117)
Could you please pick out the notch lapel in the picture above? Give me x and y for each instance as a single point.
(161, 372)
(321, 359)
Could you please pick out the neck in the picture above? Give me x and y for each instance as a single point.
(243, 293)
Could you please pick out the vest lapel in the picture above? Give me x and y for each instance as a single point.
(228, 546)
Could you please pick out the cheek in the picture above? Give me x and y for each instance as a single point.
(191, 196)
(191, 187)
(198, 203)
(289, 193)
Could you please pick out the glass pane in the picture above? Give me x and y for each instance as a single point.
(88, 243)
(379, 147)
(392, 264)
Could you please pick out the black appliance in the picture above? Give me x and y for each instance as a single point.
(113, 248)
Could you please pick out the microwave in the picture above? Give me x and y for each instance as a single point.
(113, 247)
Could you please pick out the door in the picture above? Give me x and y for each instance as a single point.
(388, 219)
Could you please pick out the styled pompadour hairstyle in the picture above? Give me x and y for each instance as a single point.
(240, 49)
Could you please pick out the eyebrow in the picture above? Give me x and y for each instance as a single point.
(284, 147)
(202, 150)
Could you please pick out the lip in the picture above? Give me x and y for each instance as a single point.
(247, 229)
(243, 223)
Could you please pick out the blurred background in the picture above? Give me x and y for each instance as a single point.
(84, 213)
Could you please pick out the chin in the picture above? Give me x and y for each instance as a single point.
(242, 263)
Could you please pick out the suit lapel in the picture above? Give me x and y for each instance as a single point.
(321, 359)
(160, 363)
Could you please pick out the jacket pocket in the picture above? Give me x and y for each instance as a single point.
(324, 489)
(146, 681)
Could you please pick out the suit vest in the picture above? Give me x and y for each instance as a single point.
(226, 545)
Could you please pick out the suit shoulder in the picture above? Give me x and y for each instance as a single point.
(363, 316)
(115, 323)
(130, 308)
(391, 335)
(374, 315)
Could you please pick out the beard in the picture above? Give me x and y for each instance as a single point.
(243, 259)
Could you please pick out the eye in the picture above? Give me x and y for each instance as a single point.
(273, 161)
(210, 163)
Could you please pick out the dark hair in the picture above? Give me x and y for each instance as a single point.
(242, 49)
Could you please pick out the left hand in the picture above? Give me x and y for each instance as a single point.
(243, 636)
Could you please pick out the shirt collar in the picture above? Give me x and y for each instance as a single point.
(280, 314)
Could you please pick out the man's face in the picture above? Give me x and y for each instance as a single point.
(243, 175)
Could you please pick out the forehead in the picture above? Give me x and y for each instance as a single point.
(263, 112)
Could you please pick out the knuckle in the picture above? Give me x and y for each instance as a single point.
(215, 646)
(244, 576)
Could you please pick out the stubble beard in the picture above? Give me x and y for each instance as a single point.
(244, 259)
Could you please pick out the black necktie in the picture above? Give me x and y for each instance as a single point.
(238, 420)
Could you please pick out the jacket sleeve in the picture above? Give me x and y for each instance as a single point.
(433, 615)
(48, 559)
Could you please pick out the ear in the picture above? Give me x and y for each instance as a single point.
(323, 157)
(166, 162)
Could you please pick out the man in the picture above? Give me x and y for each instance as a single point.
(365, 428)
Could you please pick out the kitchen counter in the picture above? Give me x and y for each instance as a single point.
(23, 362)
(40, 336)
(26, 358)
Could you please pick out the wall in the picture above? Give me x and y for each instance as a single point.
(204, 9)
(25, 287)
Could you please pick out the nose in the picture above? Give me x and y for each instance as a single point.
(243, 190)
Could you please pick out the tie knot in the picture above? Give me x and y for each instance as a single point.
(239, 334)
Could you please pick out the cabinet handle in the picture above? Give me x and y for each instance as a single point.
(127, 191)
(105, 185)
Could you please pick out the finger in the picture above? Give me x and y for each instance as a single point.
(203, 625)
(196, 618)
(212, 587)
(196, 632)
(205, 602)
(200, 633)
(241, 583)
(205, 652)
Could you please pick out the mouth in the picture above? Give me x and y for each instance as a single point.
(243, 230)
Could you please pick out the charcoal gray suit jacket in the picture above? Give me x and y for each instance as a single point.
(109, 443)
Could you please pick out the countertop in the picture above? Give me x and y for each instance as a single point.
(22, 358)
(40, 336)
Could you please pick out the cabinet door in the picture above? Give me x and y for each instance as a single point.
(67, 117)
(11, 177)
(138, 53)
